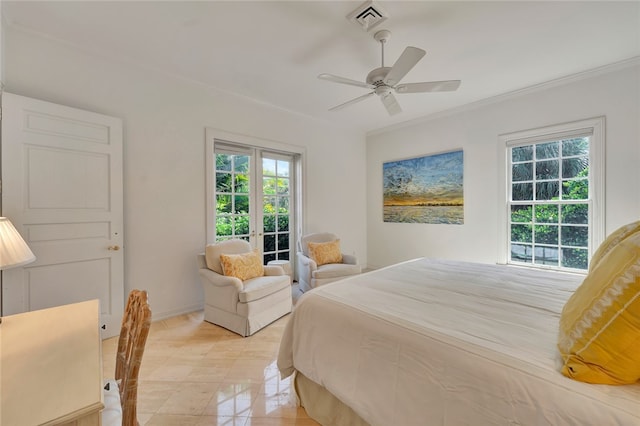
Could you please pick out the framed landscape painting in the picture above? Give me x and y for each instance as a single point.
(425, 189)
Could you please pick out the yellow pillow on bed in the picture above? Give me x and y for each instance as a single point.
(243, 266)
(599, 335)
(323, 253)
(612, 240)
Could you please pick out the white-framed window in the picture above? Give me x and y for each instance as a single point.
(553, 184)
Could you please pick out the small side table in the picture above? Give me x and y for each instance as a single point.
(285, 265)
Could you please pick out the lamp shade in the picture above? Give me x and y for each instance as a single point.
(13, 250)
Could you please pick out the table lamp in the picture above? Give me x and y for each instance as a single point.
(13, 250)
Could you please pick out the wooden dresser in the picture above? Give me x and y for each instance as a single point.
(51, 367)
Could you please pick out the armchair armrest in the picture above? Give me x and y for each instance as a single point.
(221, 280)
(307, 262)
(273, 270)
(306, 267)
(349, 259)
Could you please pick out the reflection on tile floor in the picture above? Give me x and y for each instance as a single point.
(196, 373)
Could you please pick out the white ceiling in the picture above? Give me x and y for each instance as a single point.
(273, 51)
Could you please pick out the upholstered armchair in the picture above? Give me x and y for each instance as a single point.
(320, 261)
(240, 293)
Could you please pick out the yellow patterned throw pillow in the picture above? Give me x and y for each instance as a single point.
(243, 266)
(323, 253)
(599, 337)
(612, 240)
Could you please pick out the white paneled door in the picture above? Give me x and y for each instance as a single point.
(62, 189)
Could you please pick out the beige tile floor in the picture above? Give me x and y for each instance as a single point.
(195, 374)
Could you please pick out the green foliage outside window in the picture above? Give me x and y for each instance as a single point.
(553, 228)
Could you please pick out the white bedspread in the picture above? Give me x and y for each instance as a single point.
(435, 342)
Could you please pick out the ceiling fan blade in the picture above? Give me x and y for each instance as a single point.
(343, 80)
(391, 104)
(430, 86)
(403, 65)
(352, 101)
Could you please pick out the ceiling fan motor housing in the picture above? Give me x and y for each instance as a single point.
(376, 77)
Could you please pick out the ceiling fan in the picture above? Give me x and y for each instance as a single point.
(384, 80)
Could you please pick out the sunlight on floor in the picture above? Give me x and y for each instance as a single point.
(196, 373)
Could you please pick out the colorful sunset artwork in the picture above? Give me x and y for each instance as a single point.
(425, 189)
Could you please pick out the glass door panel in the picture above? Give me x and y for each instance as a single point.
(276, 184)
(233, 201)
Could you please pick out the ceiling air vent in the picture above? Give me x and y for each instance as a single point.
(368, 15)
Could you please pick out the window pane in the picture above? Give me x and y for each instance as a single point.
(224, 225)
(574, 258)
(521, 233)
(577, 236)
(546, 234)
(241, 225)
(269, 204)
(268, 167)
(269, 223)
(575, 213)
(283, 255)
(574, 167)
(269, 243)
(547, 150)
(576, 146)
(522, 191)
(522, 171)
(521, 253)
(283, 186)
(522, 153)
(269, 257)
(283, 204)
(547, 170)
(546, 256)
(547, 213)
(283, 168)
(269, 185)
(283, 241)
(241, 163)
(223, 203)
(575, 189)
(547, 190)
(241, 184)
(521, 213)
(223, 162)
(241, 204)
(283, 223)
(223, 182)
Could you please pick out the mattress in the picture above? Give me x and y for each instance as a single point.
(442, 342)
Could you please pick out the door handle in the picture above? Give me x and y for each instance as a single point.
(113, 248)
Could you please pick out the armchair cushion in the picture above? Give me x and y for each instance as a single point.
(259, 287)
(243, 266)
(335, 270)
(213, 252)
(324, 253)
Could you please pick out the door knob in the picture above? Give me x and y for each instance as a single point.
(114, 248)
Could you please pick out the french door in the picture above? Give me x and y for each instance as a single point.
(253, 198)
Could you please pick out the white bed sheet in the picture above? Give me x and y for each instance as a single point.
(437, 342)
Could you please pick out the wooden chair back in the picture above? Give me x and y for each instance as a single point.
(136, 322)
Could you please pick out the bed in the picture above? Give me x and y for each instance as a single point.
(440, 342)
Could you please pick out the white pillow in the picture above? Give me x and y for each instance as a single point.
(112, 413)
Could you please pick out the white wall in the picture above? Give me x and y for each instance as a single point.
(475, 129)
(164, 165)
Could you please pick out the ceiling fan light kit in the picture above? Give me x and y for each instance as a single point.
(383, 81)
